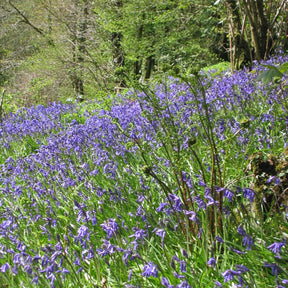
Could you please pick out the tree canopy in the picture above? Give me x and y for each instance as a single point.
(54, 48)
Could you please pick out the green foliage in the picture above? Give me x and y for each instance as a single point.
(217, 68)
(273, 72)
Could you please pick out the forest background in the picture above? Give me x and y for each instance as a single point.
(54, 50)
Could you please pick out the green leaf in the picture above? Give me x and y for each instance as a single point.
(284, 68)
(268, 75)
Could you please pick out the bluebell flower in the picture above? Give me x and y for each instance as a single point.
(64, 272)
(82, 232)
(182, 266)
(161, 207)
(230, 274)
(177, 202)
(249, 194)
(178, 275)
(110, 227)
(276, 247)
(212, 262)
(150, 269)
(275, 179)
(274, 268)
(184, 253)
(35, 279)
(53, 278)
(200, 202)
(160, 232)
(218, 284)
(241, 268)
(165, 282)
(192, 216)
(139, 233)
(228, 194)
(183, 284)
(5, 267)
(247, 240)
(219, 239)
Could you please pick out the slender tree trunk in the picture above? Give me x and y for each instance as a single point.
(138, 62)
(239, 48)
(118, 54)
(258, 25)
(82, 30)
(149, 65)
(78, 39)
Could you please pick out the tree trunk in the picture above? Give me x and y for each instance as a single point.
(117, 51)
(258, 26)
(149, 64)
(78, 39)
(239, 47)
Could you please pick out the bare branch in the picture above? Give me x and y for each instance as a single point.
(26, 20)
(277, 13)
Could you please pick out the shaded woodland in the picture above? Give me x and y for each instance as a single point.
(57, 49)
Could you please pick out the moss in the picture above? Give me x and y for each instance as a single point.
(270, 197)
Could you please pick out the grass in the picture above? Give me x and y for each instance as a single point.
(163, 187)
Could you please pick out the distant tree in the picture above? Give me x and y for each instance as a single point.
(62, 37)
(256, 28)
(158, 36)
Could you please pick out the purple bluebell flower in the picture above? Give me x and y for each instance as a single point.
(139, 233)
(276, 247)
(212, 262)
(228, 194)
(161, 207)
(82, 232)
(274, 268)
(160, 232)
(184, 253)
(183, 284)
(200, 202)
(53, 278)
(178, 275)
(275, 179)
(241, 268)
(177, 202)
(64, 272)
(230, 274)
(150, 269)
(249, 194)
(241, 231)
(218, 284)
(237, 251)
(182, 266)
(219, 239)
(5, 267)
(192, 216)
(165, 282)
(200, 232)
(35, 279)
(110, 227)
(247, 240)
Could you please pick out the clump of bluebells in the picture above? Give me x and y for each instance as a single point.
(153, 192)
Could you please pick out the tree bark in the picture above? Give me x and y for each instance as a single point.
(240, 54)
(117, 51)
(258, 26)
